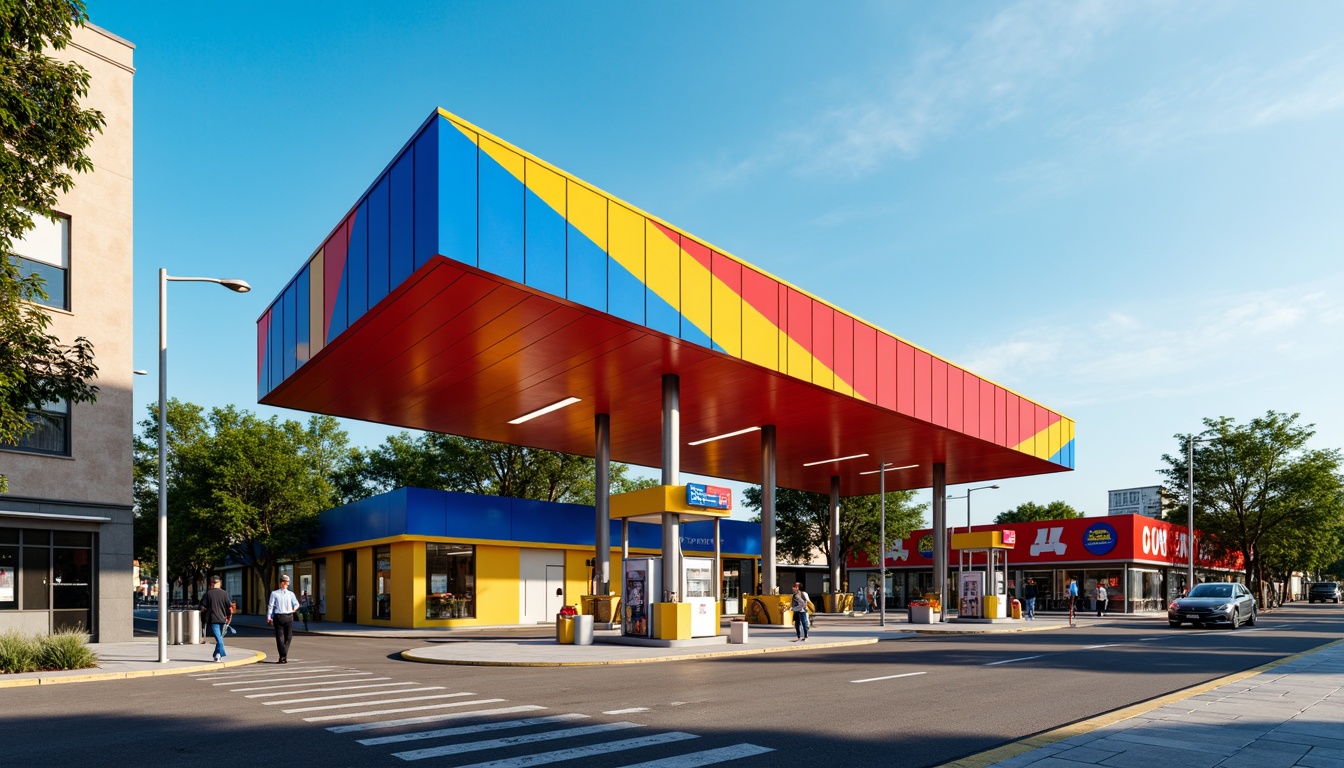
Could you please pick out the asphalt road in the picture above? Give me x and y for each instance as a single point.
(910, 702)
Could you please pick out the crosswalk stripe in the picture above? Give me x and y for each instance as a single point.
(542, 758)
(464, 730)
(355, 696)
(433, 718)
(631, 710)
(291, 679)
(269, 672)
(513, 741)
(707, 757)
(371, 703)
(355, 678)
(325, 690)
(321, 718)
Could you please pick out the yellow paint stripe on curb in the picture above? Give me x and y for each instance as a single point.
(409, 655)
(99, 676)
(989, 757)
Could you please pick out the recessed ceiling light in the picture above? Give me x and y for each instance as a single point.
(888, 469)
(729, 434)
(546, 410)
(830, 461)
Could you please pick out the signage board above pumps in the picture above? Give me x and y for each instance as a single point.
(710, 496)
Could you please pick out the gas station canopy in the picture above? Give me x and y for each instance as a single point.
(474, 284)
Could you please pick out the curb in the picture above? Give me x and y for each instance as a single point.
(411, 655)
(99, 676)
(1004, 631)
(991, 756)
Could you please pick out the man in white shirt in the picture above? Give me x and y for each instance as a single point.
(280, 614)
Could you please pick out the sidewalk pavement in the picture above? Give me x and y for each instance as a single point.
(138, 658)
(1286, 713)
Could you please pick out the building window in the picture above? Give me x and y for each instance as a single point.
(450, 581)
(45, 249)
(382, 583)
(44, 570)
(50, 433)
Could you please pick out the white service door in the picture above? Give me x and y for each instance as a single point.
(539, 571)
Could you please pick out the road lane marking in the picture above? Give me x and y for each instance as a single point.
(542, 758)
(371, 703)
(353, 696)
(268, 669)
(434, 718)
(324, 690)
(513, 741)
(707, 757)
(629, 711)
(351, 679)
(463, 730)
(290, 679)
(1106, 645)
(1013, 661)
(888, 677)
(399, 710)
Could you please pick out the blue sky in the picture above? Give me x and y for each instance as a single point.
(1129, 212)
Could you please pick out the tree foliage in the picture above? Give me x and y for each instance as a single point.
(1030, 512)
(452, 463)
(43, 137)
(239, 486)
(803, 523)
(1261, 492)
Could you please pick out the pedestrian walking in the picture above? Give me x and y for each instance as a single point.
(280, 614)
(877, 595)
(1073, 598)
(1099, 593)
(1031, 599)
(869, 598)
(799, 608)
(218, 611)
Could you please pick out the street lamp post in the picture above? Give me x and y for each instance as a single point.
(962, 565)
(164, 278)
(1190, 517)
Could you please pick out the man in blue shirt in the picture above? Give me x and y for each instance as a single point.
(280, 614)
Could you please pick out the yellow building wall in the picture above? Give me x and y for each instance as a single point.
(576, 575)
(335, 595)
(364, 586)
(497, 575)
(408, 583)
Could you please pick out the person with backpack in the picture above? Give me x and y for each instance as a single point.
(1099, 593)
(799, 608)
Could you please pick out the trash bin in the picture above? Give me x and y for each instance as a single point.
(1017, 608)
(174, 627)
(583, 630)
(564, 629)
(191, 627)
(738, 632)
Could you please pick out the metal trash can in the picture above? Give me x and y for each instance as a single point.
(564, 629)
(191, 627)
(174, 627)
(583, 630)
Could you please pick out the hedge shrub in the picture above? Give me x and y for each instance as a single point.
(67, 649)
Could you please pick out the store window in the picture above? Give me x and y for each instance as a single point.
(50, 431)
(9, 569)
(382, 583)
(44, 570)
(45, 250)
(450, 581)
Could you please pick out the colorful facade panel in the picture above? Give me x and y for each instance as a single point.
(458, 192)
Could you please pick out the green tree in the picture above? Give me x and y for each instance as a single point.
(452, 463)
(43, 137)
(803, 523)
(1030, 512)
(1259, 488)
(239, 486)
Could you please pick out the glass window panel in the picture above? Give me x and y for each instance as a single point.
(36, 537)
(357, 266)
(378, 242)
(291, 340)
(401, 219)
(9, 535)
(382, 582)
(73, 539)
(303, 292)
(54, 282)
(450, 581)
(34, 577)
(50, 432)
(9, 577)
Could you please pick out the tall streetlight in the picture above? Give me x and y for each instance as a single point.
(1190, 518)
(962, 565)
(164, 278)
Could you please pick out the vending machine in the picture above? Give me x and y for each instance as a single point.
(698, 576)
(643, 586)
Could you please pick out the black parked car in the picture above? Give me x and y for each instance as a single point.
(1324, 590)
(1222, 603)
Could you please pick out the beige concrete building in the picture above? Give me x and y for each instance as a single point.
(66, 523)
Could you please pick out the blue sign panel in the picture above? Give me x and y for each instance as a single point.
(1099, 538)
(711, 496)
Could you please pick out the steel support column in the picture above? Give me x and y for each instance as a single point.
(602, 494)
(768, 585)
(835, 542)
(940, 536)
(671, 476)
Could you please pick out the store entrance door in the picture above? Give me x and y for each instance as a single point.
(348, 583)
(542, 572)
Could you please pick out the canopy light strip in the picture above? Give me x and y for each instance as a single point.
(720, 437)
(888, 469)
(831, 461)
(546, 410)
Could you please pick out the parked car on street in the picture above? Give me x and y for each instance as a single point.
(1323, 591)
(1221, 603)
